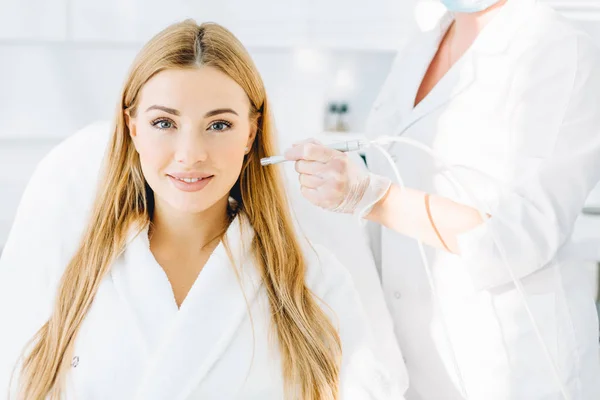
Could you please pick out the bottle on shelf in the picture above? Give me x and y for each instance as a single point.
(331, 117)
(342, 122)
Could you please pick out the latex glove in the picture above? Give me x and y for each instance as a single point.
(330, 180)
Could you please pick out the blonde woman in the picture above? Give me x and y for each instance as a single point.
(189, 281)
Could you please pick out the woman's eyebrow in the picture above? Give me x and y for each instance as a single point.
(165, 109)
(219, 111)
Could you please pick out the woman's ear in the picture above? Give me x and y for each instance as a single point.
(252, 136)
(130, 122)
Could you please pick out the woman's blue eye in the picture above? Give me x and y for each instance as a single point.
(162, 124)
(219, 126)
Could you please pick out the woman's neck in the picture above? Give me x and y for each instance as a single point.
(185, 232)
(468, 25)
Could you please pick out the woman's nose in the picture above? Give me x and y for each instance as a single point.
(190, 148)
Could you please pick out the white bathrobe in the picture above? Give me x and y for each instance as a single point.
(136, 344)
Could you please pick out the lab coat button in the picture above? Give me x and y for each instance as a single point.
(75, 362)
(397, 295)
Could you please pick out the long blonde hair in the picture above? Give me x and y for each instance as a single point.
(309, 345)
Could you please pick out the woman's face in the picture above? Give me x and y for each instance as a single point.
(192, 129)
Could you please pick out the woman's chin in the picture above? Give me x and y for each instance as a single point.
(192, 208)
(194, 204)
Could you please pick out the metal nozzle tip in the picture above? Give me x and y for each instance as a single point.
(272, 160)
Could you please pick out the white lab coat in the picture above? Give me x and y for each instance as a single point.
(521, 107)
(136, 344)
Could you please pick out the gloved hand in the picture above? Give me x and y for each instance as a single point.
(330, 180)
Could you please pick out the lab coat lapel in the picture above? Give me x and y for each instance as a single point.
(456, 80)
(394, 106)
(420, 55)
(206, 322)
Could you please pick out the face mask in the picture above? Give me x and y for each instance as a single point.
(468, 6)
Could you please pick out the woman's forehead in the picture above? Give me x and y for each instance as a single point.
(192, 90)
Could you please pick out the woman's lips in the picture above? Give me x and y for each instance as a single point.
(190, 183)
